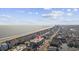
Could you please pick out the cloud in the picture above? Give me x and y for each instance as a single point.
(30, 12)
(69, 14)
(20, 11)
(7, 16)
(7, 19)
(57, 13)
(75, 9)
(68, 10)
(47, 8)
(45, 15)
(54, 14)
(36, 13)
(67, 20)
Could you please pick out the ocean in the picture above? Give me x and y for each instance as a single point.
(10, 30)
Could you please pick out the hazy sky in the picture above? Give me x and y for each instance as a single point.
(39, 16)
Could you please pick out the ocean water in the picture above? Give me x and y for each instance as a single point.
(10, 30)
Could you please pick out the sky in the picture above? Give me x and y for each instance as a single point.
(39, 16)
